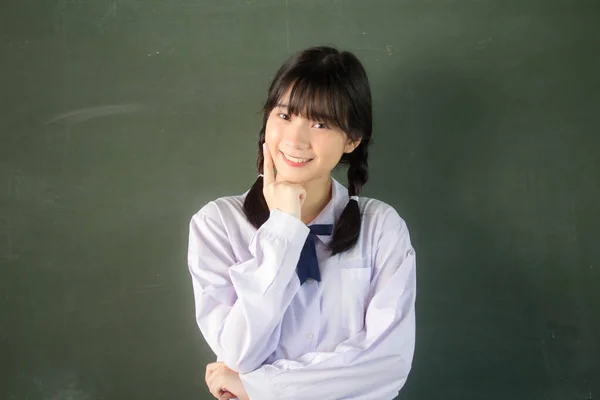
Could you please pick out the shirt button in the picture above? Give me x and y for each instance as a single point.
(310, 335)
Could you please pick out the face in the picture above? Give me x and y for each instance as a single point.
(316, 147)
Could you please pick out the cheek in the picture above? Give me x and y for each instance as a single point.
(331, 149)
(273, 137)
(272, 133)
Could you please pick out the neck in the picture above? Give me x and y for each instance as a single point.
(318, 195)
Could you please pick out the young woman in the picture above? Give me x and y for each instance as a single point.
(304, 290)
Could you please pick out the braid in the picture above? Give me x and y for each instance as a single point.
(255, 205)
(358, 172)
(347, 227)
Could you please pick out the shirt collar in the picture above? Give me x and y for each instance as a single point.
(333, 209)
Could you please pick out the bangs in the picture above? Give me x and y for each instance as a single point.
(324, 85)
(317, 98)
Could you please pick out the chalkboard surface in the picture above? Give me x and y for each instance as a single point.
(119, 119)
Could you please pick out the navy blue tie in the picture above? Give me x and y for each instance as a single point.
(308, 265)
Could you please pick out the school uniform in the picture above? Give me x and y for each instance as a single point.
(350, 335)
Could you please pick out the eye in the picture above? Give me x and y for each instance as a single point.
(321, 125)
(284, 116)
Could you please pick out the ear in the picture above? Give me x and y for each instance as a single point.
(351, 145)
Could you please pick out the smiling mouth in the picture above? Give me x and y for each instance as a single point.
(296, 159)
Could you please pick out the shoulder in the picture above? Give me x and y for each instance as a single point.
(379, 217)
(221, 210)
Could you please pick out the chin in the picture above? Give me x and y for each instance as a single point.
(295, 177)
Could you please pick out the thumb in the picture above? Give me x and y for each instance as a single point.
(302, 196)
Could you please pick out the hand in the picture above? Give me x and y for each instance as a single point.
(224, 383)
(285, 196)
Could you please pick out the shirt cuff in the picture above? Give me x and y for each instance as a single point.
(286, 226)
(257, 385)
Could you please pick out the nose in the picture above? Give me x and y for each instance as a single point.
(296, 135)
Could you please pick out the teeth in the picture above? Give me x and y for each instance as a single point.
(296, 160)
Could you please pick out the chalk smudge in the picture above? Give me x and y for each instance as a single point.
(85, 114)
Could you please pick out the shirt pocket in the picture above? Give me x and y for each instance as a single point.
(355, 283)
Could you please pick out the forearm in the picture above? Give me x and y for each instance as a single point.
(365, 378)
(239, 306)
(375, 360)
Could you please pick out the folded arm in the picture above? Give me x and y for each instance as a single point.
(376, 361)
(239, 305)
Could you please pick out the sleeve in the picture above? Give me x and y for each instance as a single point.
(374, 363)
(239, 306)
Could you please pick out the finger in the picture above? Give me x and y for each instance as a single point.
(215, 378)
(210, 368)
(207, 373)
(216, 388)
(302, 196)
(268, 173)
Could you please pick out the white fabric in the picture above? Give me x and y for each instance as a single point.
(350, 336)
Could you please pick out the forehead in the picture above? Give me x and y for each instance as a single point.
(284, 99)
(313, 101)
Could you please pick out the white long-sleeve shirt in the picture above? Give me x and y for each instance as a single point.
(350, 336)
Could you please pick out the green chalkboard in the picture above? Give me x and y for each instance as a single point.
(119, 119)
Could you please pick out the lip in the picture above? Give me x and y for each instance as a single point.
(293, 164)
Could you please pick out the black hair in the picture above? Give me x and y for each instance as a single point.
(331, 86)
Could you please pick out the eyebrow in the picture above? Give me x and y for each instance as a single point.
(286, 106)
